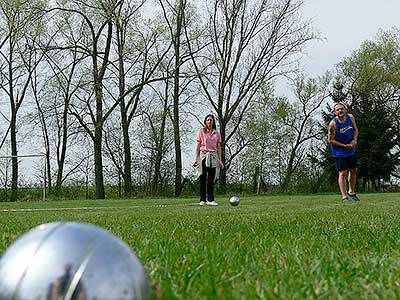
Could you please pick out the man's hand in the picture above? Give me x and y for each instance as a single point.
(350, 146)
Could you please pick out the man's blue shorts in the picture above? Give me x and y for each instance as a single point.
(346, 163)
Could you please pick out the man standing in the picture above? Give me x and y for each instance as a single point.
(342, 137)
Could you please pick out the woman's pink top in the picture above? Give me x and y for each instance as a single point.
(208, 140)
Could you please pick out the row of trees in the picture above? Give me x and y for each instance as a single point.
(120, 86)
(82, 60)
(290, 148)
(371, 83)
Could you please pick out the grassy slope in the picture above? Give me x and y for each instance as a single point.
(269, 247)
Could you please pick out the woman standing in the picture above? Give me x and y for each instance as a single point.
(208, 159)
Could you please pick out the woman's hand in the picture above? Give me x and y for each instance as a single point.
(195, 164)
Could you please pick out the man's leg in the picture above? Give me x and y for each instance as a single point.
(352, 184)
(342, 183)
(352, 181)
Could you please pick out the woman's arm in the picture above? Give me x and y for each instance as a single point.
(197, 154)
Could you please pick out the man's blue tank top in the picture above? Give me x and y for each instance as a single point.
(344, 135)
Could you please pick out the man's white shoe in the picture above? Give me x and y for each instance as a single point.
(202, 203)
(213, 203)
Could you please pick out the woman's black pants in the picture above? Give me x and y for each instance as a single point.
(207, 177)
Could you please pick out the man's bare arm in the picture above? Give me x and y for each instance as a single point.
(353, 120)
(332, 135)
(331, 132)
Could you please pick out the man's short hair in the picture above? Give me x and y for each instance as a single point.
(339, 103)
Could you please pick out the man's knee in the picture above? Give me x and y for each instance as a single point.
(343, 174)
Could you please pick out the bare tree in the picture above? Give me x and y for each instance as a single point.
(42, 120)
(159, 137)
(176, 26)
(115, 151)
(301, 118)
(141, 48)
(250, 44)
(64, 78)
(264, 159)
(23, 24)
(98, 17)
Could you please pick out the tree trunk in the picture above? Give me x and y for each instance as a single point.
(289, 171)
(178, 156)
(222, 175)
(13, 132)
(97, 142)
(256, 180)
(125, 133)
(157, 174)
(64, 129)
(46, 139)
(48, 170)
(61, 158)
(127, 153)
(98, 76)
(14, 159)
(124, 113)
(98, 158)
(177, 138)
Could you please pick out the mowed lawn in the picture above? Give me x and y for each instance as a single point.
(269, 247)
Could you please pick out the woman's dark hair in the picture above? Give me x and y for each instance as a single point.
(205, 121)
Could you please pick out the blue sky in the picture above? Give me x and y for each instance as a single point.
(345, 24)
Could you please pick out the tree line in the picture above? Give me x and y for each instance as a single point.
(113, 90)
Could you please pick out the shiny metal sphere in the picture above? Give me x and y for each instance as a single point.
(234, 200)
(74, 261)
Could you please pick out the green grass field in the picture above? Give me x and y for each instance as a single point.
(269, 247)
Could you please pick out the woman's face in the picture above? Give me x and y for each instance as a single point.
(209, 122)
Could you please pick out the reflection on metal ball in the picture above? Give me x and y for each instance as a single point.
(74, 261)
(234, 200)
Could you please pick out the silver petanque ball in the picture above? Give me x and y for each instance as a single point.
(74, 261)
(234, 200)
